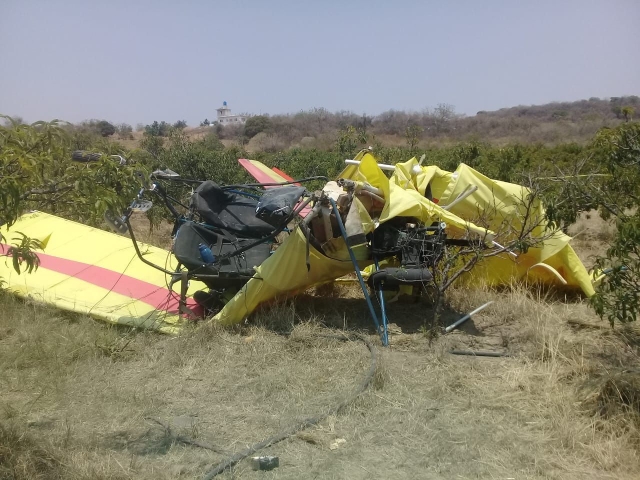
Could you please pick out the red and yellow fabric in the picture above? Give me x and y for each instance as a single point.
(91, 271)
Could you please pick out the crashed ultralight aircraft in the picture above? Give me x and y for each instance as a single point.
(228, 255)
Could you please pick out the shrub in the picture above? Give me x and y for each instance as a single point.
(156, 129)
(124, 131)
(256, 125)
(105, 128)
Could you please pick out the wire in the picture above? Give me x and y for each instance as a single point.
(112, 286)
(308, 422)
(187, 440)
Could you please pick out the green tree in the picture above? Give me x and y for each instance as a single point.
(203, 159)
(157, 129)
(617, 196)
(180, 124)
(105, 128)
(412, 133)
(347, 142)
(11, 121)
(212, 142)
(38, 173)
(618, 297)
(627, 112)
(153, 144)
(255, 125)
(124, 131)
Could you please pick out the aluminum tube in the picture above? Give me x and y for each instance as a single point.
(467, 317)
(461, 197)
(383, 166)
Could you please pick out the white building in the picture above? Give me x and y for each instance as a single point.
(225, 117)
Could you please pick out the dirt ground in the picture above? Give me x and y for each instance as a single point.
(84, 400)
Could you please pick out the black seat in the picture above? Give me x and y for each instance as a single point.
(233, 271)
(229, 211)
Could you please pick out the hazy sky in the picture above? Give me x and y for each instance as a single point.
(137, 61)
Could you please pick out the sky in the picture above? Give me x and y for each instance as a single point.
(137, 61)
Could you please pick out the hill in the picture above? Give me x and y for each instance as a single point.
(549, 124)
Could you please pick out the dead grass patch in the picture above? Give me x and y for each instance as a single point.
(591, 236)
(429, 414)
(21, 458)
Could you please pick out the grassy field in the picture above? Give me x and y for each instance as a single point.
(83, 400)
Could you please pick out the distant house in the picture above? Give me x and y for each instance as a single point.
(226, 118)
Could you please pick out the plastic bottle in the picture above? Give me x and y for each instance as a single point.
(206, 254)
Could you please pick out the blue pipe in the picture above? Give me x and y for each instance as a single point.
(356, 267)
(383, 308)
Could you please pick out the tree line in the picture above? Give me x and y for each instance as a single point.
(602, 174)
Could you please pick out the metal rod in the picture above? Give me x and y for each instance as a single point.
(144, 260)
(372, 195)
(496, 244)
(462, 196)
(315, 211)
(467, 317)
(372, 189)
(356, 267)
(383, 308)
(326, 222)
(479, 353)
(383, 166)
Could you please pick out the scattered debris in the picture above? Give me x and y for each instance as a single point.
(335, 445)
(265, 462)
(480, 353)
(467, 317)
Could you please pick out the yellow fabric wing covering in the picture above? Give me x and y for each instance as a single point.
(90, 271)
(285, 272)
(504, 205)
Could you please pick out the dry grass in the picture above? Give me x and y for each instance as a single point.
(160, 235)
(79, 398)
(591, 235)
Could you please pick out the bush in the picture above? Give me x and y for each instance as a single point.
(256, 125)
(124, 131)
(105, 128)
(263, 142)
(618, 297)
(156, 129)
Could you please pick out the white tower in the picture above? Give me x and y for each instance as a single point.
(225, 117)
(223, 111)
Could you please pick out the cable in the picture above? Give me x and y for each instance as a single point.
(187, 440)
(308, 422)
(479, 353)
